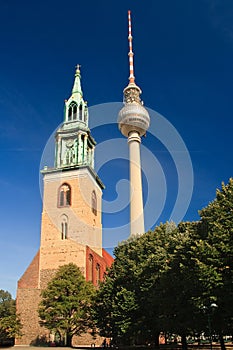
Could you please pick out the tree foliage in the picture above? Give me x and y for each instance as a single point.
(127, 303)
(161, 281)
(66, 303)
(214, 251)
(10, 325)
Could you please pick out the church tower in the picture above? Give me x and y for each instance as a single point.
(71, 228)
(72, 189)
(133, 122)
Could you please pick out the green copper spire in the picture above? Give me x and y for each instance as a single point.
(76, 111)
(77, 82)
(74, 144)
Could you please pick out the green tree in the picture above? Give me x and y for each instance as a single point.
(180, 285)
(214, 253)
(128, 303)
(66, 303)
(161, 281)
(114, 309)
(10, 325)
(201, 271)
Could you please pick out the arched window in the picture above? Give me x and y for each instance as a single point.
(90, 268)
(80, 112)
(97, 274)
(64, 196)
(64, 227)
(72, 111)
(94, 203)
(85, 114)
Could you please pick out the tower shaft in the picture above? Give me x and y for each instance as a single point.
(136, 200)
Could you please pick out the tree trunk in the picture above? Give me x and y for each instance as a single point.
(68, 340)
(184, 342)
(223, 347)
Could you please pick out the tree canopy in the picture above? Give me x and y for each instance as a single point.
(66, 302)
(162, 280)
(214, 251)
(10, 325)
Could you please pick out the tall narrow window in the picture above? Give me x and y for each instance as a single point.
(64, 196)
(80, 112)
(83, 148)
(97, 274)
(64, 227)
(72, 111)
(94, 203)
(90, 268)
(61, 198)
(85, 114)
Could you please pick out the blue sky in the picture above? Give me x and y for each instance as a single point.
(183, 63)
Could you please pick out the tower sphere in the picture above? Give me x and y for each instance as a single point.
(133, 117)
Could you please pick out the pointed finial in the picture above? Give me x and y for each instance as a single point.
(130, 38)
(77, 72)
(77, 83)
(78, 66)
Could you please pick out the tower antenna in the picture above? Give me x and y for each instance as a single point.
(130, 38)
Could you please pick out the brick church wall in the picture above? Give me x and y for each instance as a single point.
(30, 278)
(103, 261)
(27, 305)
(28, 297)
(34, 280)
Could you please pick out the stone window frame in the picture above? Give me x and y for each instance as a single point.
(98, 274)
(72, 111)
(64, 195)
(94, 203)
(90, 268)
(64, 227)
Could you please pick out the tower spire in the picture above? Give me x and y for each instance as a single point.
(130, 38)
(75, 107)
(74, 143)
(132, 92)
(77, 89)
(133, 122)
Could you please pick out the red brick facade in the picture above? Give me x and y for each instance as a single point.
(97, 265)
(30, 278)
(28, 295)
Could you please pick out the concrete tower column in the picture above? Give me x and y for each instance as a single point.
(136, 200)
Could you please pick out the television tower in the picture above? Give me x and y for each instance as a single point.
(133, 122)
